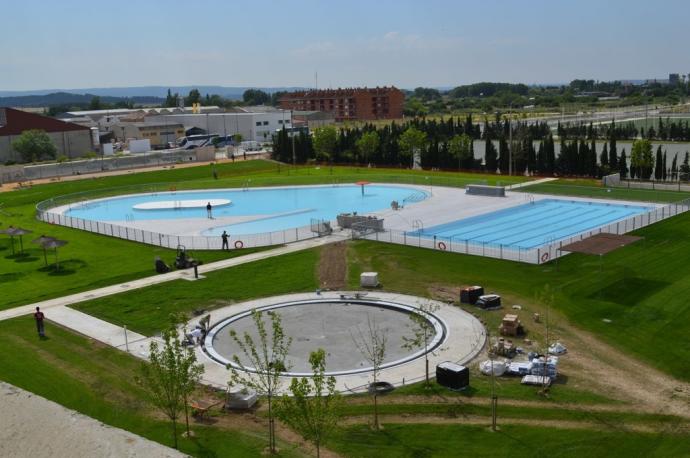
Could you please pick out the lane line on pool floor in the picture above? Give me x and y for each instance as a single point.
(49, 304)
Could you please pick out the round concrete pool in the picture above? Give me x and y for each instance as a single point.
(333, 324)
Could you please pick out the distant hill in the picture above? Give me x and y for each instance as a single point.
(143, 92)
(69, 99)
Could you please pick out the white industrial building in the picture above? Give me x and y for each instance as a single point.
(253, 126)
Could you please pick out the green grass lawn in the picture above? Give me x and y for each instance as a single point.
(98, 381)
(444, 440)
(593, 188)
(147, 310)
(642, 289)
(91, 261)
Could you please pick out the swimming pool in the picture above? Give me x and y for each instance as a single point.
(533, 224)
(251, 211)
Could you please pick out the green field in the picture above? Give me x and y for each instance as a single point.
(90, 261)
(641, 291)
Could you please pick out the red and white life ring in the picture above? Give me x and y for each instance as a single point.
(544, 257)
(239, 244)
(441, 246)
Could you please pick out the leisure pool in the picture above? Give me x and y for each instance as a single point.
(250, 211)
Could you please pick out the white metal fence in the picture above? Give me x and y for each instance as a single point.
(538, 255)
(192, 242)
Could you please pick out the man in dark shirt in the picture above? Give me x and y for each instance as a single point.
(224, 236)
(38, 316)
(208, 210)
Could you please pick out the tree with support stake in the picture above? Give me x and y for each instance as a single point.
(267, 361)
(372, 345)
(423, 332)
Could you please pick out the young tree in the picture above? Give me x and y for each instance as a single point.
(193, 97)
(367, 145)
(314, 407)
(423, 332)
(34, 145)
(95, 103)
(266, 360)
(325, 140)
(372, 345)
(460, 147)
(411, 143)
(170, 375)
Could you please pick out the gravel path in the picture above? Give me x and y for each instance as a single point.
(32, 426)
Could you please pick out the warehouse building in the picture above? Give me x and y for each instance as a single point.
(71, 140)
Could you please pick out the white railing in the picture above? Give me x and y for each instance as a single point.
(192, 242)
(537, 255)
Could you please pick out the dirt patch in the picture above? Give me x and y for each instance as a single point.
(333, 266)
(444, 293)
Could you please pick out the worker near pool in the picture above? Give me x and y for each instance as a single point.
(224, 236)
(208, 210)
(196, 336)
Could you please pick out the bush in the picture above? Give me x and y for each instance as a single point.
(34, 145)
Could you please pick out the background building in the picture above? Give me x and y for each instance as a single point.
(71, 140)
(252, 126)
(349, 104)
(159, 134)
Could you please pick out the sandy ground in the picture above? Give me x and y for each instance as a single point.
(32, 426)
(333, 266)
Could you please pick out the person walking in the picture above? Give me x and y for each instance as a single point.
(39, 316)
(224, 236)
(208, 210)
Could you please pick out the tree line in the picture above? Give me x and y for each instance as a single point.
(665, 130)
(523, 148)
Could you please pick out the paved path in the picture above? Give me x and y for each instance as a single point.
(530, 183)
(187, 274)
(32, 426)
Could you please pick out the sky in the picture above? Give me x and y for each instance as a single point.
(432, 43)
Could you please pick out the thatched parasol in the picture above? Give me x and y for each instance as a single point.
(41, 241)
(55, 244)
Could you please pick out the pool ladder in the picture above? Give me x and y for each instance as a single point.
(418, 226)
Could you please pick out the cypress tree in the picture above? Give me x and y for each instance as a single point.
(623, 165)
(604, 158)
(490, 158)
(664, 170)
(659, 164)
(550, 154)
(613, 152)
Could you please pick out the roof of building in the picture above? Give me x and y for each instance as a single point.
(14, 122)
(600, 244)
(340, 92)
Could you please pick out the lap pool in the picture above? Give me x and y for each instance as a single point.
(533, 224)
(250, 211)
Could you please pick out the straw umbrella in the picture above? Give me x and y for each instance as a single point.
(55, 244)
(12, 231)
(41, 240)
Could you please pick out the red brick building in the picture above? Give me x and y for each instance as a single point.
(349, 104)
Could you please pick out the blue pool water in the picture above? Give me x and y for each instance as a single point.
(271, 209)
(533, 224)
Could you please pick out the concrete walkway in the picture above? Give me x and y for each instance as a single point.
(530, 183)
(187, 274)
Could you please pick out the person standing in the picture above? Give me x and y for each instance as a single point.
(208, 210)
(39, 316)
(224, 236)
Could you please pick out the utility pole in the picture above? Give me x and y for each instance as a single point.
(510, 140)
(494, 398)
(292, 131)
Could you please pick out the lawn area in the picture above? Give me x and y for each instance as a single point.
(593, 188)
(443, 440)
(147, 310)
(642, 289)
(91, 261)
(98, 381)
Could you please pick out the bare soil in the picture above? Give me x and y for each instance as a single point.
(332, 267)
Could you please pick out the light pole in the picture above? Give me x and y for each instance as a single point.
(510, 140)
